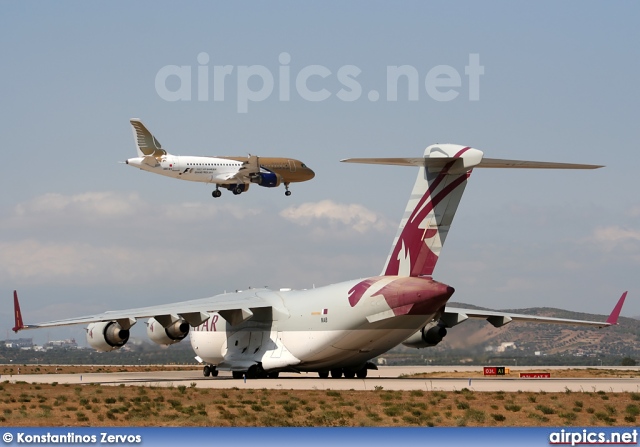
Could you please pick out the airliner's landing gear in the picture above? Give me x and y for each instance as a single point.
(323, 374)
(217, 193)
(336, 373)
(238, 189)
(237, 374)
(287, 192)
(209, 370)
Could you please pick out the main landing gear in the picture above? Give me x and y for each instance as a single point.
(287, 192)
(209, 370)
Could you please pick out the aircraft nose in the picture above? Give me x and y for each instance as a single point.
(310, 174)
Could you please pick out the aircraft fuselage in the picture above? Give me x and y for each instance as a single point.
(341, 325)
(219, 169)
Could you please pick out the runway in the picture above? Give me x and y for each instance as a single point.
(387, 378)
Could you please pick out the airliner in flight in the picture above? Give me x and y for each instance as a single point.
(233, 173)
(336, 329)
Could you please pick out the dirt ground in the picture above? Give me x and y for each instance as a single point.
(23, 404)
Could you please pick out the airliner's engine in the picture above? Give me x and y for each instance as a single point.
(267, 179)
(175, 332)
(429, 335)
(106, 336)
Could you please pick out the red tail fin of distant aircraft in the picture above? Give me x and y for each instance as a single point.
(18, 315)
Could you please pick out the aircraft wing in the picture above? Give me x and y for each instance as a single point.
(232, 307)
(455, 315)
(249, 169)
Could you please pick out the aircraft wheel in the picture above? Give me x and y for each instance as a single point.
(206, 371)
(349, 374)
(336, 373)
(362, 373)
(273, 375)
(287, 193)
(323, 374)
(217, 193)
(237, 374)
(237, 190)
(214, 372)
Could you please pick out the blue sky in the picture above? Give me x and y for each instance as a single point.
(81, 233)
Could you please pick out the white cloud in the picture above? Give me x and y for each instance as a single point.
(614, 235)
(95, 204)
(102, 238)
(354, 216)
(100, 206)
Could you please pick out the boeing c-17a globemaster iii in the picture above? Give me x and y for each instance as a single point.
(233, 173)
(337, 329)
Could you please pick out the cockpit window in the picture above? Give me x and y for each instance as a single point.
(303, 165)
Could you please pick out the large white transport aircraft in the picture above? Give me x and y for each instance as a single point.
(336, 329)
(233, 173)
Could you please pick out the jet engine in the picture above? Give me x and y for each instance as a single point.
(429, 335)
(267, 179)
(175, 332)
(106, 336)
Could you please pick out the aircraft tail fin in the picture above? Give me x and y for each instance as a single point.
(146, 143)
(19, 325)
(442, 178)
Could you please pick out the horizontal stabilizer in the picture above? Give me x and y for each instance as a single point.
(150, 161)
(440, 162)
(501, 163)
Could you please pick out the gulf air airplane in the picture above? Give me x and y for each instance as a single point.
(337, 329)
(233, 173)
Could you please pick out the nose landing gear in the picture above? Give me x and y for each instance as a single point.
(287, 192)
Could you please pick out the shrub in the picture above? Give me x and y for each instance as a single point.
(545, 410)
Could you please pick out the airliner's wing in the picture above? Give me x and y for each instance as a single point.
(249, 169)
(455, 315)
(234, 307)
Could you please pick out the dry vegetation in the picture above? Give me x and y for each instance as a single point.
(86, 369)
(24, 404)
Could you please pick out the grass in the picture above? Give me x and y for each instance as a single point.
(23, 404)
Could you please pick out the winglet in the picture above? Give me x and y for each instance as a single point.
(613, 318)
(18, 315)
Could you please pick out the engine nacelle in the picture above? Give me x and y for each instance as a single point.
(267, 179)
(429, 335)
(106, 336)
(174, 333)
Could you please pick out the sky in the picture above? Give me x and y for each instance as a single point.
(82, 233)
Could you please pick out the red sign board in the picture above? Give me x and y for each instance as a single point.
(535, 375)
(494, 370)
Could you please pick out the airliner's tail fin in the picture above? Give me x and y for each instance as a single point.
(443, 175)
(146, 143)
